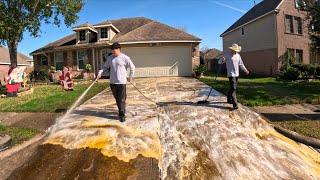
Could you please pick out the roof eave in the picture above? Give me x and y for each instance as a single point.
(161, 41)
(107, 25)
(85, 28)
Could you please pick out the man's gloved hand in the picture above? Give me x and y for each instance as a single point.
(99, 74)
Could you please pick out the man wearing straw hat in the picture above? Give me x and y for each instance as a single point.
(233, 61)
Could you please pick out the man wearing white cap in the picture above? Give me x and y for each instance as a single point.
(233, 61)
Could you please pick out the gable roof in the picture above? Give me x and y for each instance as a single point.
(5, 57)
(211, 53)
(155, 31)
(132, 30)
(261, 9)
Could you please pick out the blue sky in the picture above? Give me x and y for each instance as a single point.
(206, 19)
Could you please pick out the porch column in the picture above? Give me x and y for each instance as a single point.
(93, 62)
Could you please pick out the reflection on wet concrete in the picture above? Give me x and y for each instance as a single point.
(184, 139)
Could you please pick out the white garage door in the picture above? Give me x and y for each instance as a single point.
(161, 61)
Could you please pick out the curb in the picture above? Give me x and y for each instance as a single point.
(25, 144)
(309, 141)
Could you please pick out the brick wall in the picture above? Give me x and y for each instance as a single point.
(292, 41)
(3, 72)
(263, 62)
(195, 55)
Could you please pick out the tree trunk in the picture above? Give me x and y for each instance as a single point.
(13, 53)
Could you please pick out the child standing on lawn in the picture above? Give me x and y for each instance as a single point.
(233, 61)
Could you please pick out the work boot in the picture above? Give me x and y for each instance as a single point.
(122, 118)
(229, 101)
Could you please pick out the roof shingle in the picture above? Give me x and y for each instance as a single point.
(5, 57)
(258, 10)
(133, 29)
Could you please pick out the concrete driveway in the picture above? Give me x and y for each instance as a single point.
(177, 140)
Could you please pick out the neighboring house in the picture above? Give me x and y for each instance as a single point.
(269, 30)
(210, 58)
(23, 60)
(155, 48)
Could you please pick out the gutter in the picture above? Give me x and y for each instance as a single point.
(89, 45)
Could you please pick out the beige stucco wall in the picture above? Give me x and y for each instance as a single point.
(258, 35)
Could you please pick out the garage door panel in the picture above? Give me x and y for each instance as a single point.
(161, 61)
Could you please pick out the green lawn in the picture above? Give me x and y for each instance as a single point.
(49, 98)
(307, 128)
(269, 91)
(17, 134)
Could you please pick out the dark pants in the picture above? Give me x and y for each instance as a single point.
(119, 93)
(232, 95)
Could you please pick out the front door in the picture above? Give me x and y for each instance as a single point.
(102, 59)
(103, 54)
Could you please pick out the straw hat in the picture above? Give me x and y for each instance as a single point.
(235, 47)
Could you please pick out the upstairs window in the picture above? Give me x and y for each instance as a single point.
(82, 35)
(104, 33)
(242, 31)
(289, 24)
(298, 25)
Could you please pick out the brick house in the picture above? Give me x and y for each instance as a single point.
(23, 60)
(269, 30)
(155, 48)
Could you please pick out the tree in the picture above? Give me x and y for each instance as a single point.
(17, 16)
(313, 16)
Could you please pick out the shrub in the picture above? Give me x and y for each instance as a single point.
(200, 69)
(44, 75)
(307, 71)
(80, 76)
(291, 73)
(317, 73)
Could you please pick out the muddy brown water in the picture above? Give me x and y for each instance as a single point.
(56, 162)
(179, 140)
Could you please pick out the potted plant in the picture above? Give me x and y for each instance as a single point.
(199, 70)
(88, 71)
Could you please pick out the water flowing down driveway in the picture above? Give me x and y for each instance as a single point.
(179, 139)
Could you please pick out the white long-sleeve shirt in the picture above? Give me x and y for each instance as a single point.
(118, 68)
(233, 62)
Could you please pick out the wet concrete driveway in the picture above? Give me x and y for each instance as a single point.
(177, 140)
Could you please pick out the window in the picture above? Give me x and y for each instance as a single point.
(82, 59)
(242, 31)
(290, 52)
(82, 35)
(103, 33)
(299, 55)
(58, 60)
(43, 61)
(289, 24)
(298, 25)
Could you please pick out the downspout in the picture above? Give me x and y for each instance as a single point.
(276, 40)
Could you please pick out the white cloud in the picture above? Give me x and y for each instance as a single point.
(228, 6)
